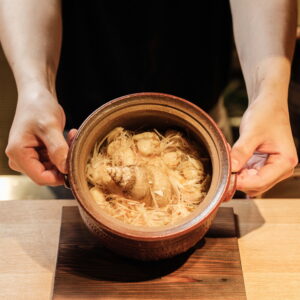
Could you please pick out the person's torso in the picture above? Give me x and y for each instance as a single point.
(113, 48)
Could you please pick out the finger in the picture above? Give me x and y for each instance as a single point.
(28, 160)
(258, 181)
(48, 165)
(71, 136)
(14, 166)
(241, 152)
(57, 148)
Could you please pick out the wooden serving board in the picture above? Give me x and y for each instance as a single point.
(87, 270)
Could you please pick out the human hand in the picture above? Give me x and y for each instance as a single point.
(265, 152)
(36, 144)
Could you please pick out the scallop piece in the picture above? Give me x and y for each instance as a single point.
(147, 143)
(141, 188)
(160, 186)
(98, 196)
(171, 159)
(114, 134)
(191, 173)
(145, 135)
(192, 169)
(121, 153)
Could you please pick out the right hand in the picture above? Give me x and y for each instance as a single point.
(36, 144)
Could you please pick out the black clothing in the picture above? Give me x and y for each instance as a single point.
(113, 48)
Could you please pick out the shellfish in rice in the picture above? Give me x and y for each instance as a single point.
(147, 179)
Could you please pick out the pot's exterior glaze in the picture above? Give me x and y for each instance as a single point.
(135, 243)
(146, 250)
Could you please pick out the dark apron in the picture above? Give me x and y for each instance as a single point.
(113, 48)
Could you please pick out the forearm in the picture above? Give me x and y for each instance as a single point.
(30, 33)
(264, 33)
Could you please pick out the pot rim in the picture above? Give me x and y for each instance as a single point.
(160, 233)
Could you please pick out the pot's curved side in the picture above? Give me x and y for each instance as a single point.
(231, 189)
(166, 243)
(147, 250)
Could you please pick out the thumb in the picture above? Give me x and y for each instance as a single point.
(241, 152)
(57, 148)
(71, 136)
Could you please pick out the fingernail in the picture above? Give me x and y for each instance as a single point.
(252, 172)
(235, 165)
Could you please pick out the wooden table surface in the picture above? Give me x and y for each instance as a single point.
(269, 247)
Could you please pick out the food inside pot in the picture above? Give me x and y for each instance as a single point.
(148, 178)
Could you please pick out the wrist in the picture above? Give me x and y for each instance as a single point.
(35, 79)
(35, 93)
(270, 102)
(271, 81)
(35, 88)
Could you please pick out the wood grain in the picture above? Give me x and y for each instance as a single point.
(87, 270)
(270, 247)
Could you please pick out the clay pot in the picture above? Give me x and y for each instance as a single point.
(160, 111)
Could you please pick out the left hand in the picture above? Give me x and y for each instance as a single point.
(265, 152)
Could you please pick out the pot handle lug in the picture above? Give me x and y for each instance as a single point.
(66, 181)
(231, 187)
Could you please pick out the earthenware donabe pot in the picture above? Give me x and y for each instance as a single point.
(159, 111)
